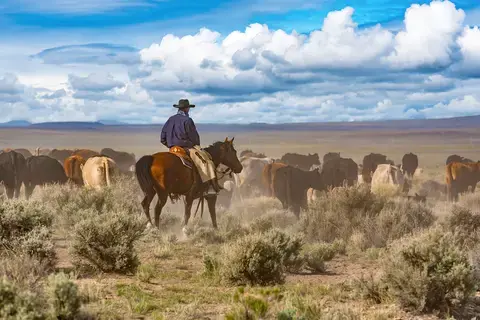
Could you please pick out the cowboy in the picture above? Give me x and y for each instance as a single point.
(180, 131)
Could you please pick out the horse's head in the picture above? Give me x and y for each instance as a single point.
(228, 156)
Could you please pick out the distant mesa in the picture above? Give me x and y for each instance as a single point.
(16, 123)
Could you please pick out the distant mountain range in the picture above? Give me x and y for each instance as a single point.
(414, 124)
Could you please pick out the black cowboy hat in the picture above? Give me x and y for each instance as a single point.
(184, 103)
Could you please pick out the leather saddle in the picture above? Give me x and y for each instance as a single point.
(183, 155)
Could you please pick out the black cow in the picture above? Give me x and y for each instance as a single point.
(124, 160)
(60, 154)
(410, 164)
(330, 156)
(42, 170)
(290, 186)
(301, 161)
(12, 170)
(336, 172)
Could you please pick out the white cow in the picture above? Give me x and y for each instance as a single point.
(388, 178)
(251, 176)
(98, 170)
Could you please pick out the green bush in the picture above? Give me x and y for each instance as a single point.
(252, 260)
(362, 219)
(288, 246)
(465, 224)
(72, 207)
(63, 297)
(18, 218)
(38, 244)
(429, 272)
(16, 304)
(316, 255)
(106, 243)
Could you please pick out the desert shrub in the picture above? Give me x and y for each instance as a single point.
(362, 219)
(288, 246)
(70, 205)
(146, 272)
(211, 265)
(106, 243)
(465, 224)
(315, 256)
(63, 297)
(253, 306)
(337, 214)
(371, 289)
(207, 235)
(470, 200)
(429, 272)
(272, 219)
(252, 260)
(17, 218)
(398, 219)
(23, 270)
(18, 304)
(38, 244)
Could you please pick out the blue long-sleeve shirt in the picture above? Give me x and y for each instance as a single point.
(180, 130)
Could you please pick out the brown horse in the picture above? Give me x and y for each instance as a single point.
(164, 174)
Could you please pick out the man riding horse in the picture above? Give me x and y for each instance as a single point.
(180, 132)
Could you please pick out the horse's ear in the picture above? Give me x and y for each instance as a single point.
(231, 141)
(226, 140)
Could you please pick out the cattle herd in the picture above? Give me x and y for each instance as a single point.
(294, 179)
(80, 166)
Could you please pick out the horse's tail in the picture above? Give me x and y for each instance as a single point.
(70, 168)
(450, 181)
(267, 180)
(144, 175)
(106, 165)
(288, 187)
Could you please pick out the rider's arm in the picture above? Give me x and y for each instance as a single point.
(192, 132)
(163, 136)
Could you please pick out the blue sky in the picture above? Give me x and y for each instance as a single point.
(239, 61)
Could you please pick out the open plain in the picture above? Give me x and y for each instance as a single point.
(348, 246)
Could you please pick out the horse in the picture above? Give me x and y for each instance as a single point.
(164, 174)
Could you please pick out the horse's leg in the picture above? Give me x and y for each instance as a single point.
(146, 203)
(162, 200)
(188, 211)
(211, 201)
(9, 191)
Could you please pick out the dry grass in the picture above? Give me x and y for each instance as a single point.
(346, 236)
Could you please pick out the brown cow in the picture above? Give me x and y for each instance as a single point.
(460, 176)
(73, 166)
(60, 154)
(301, 161)
(268, 176)
(457, 158)
(290, 186)
(409, 164)
(85, 153)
